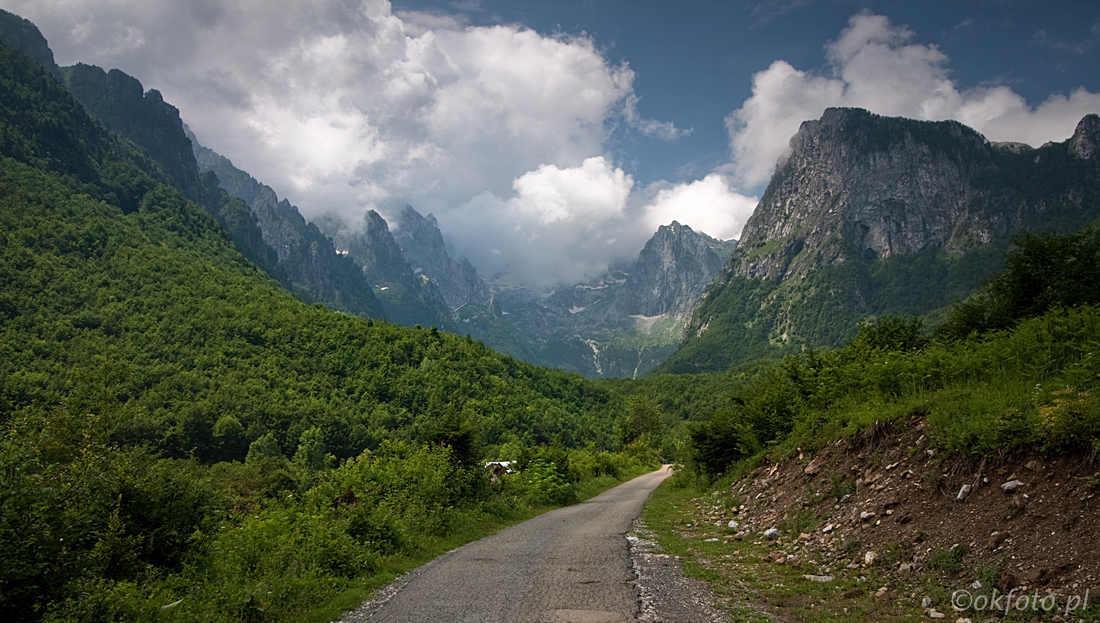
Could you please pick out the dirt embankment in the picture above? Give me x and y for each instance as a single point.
(885, 501)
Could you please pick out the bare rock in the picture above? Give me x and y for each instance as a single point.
(996, 539)
(963, 493)
(1011, 486)
(1007, 582)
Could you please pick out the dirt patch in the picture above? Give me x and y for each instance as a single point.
(886, 507)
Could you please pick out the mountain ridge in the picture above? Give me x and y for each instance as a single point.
(870, 215)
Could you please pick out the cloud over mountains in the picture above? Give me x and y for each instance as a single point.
(874, 64)
(501, 131)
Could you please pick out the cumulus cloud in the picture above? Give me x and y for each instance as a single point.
(344, 106)
(708, 205)
(874, 64)
(561, 225)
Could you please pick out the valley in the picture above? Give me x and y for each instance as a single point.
(215, 409)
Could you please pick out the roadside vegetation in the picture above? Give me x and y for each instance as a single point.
(1016, 365)
(1009, 377)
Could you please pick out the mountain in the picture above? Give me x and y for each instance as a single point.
(671, 272)
(422, 244)
(23, 34)
(120, 102)
(408, 298)
(622, 323)
(305, 259)
(619, 324)
(870, 215)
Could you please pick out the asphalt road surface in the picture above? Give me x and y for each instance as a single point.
(570, 565)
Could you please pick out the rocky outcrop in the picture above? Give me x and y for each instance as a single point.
(305, 259)
(1086, 139)
(869, 215)
(422, 245)
(24, 35)
(235, 181)
(118, 100)
(856, 184)
(409, 298)
(672, 270)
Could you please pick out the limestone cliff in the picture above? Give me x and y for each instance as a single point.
(422, 244)
(868, 215)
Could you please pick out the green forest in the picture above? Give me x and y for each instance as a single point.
(182, 437)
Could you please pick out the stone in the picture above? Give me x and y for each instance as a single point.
(827, 529)
(866, 515)
(904, 519)
(963, 493)
(771, 534)
(926, 602)
(1032, 465)
(819, 578)
(933, 614)
(804, 537)
(1011, 486)
(869, 558)
(996, 539)
(1034, 576)
(814, 468)
(891, 503)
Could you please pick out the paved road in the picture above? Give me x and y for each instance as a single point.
(570, 565)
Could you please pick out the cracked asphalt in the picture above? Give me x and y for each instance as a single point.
(569, 565)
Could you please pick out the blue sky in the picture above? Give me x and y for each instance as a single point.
(693, 60)
(552, 137)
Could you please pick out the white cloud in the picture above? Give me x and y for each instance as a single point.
(874, 65)
(560, 226)
(707, 205)
(344, 106)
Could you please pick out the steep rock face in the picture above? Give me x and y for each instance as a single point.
(672, 270)
(294, 252)
(24, 35)
(309, 258)
(881, 186)
(422, 245)
(117, 99)
(407, 297)
(1086, 138)
(282, 225)
(871, 215)
(621, 323)
(235, 181)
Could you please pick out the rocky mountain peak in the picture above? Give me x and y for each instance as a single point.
(672, 270)
(422, 243)
(277, 222)
(1085, 142)
(859, 184)
(23, 34)
(120, 102)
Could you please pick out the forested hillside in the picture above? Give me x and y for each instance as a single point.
(176, 426)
